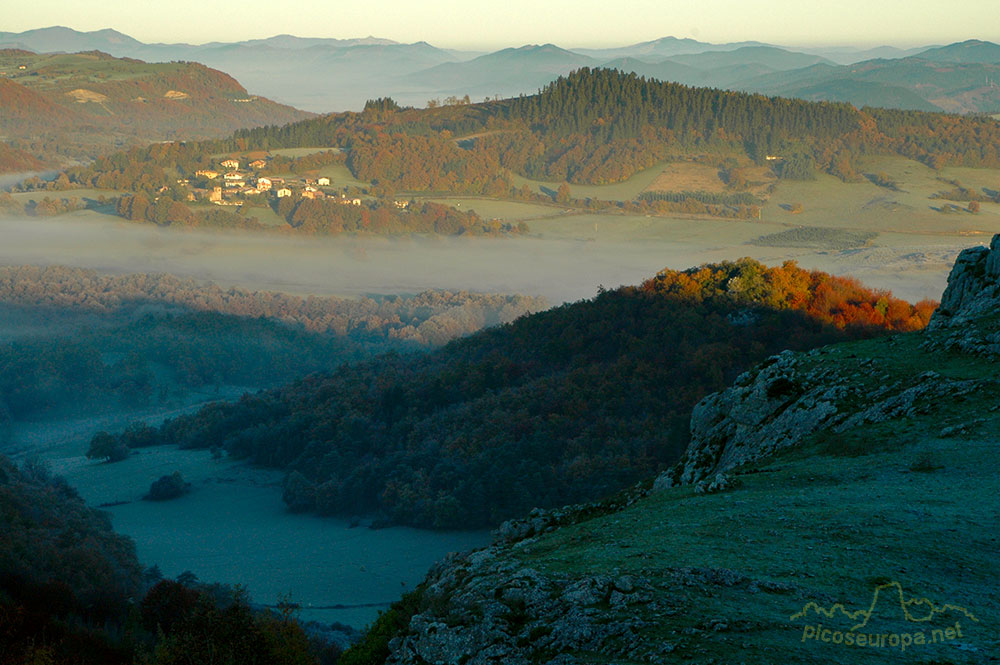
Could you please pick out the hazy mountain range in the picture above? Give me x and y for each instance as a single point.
(340, 74)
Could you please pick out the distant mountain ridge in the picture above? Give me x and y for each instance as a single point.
(329, 74)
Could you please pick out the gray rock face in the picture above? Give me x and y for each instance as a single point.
(487, 609)
(781, 403)
(973, 287)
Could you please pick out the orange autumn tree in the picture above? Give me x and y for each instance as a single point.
(838, 301)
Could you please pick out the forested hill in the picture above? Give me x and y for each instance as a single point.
(602, 125)
(558, 407)
(593, 126)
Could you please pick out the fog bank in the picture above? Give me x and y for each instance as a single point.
(565, 261)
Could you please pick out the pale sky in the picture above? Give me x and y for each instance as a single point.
(499, 23)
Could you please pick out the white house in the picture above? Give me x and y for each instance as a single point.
(323, 182)
(283, 192)
(264, 184)
(231, 164)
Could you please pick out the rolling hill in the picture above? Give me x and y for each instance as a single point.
(504, 73)
(664, 47)
(972, 51)
(78, 105)
(915, 83)
(323, 75)
(773, 58)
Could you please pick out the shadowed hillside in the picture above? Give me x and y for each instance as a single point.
(834, 506)
(563, 406)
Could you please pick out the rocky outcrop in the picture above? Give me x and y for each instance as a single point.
(787, 399)
(973, 287)
(485, 607)
(968, 319)
(488, 608)
(791, 396)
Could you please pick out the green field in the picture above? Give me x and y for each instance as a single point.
(341, 176)
(79, 68)
(829, 202)
(511, 211)
(301, 152)
(626, 190)
(266, 216)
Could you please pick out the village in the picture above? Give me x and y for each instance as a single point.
(232, 185)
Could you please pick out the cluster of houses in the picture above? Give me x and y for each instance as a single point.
(235, 185)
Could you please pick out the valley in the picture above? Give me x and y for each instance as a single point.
(627, 363)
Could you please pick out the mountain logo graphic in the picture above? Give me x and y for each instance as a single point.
(913, 609)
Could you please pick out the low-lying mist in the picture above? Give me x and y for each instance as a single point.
(561, 269)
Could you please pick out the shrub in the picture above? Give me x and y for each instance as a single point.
(107, 447)
(168, 487)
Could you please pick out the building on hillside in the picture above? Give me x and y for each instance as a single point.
(257, 164)
(283, 192)
(310, 188)
(323, 182)
(233, 177)
(211, 175)
(306, 194)
(355, 202)
(264, 184)
(402, 205)
(216, 195)
(231, 164)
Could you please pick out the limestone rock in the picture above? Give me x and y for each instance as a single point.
(973, 287)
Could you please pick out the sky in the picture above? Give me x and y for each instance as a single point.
(489, 23)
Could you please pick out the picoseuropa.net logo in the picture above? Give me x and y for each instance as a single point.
(892, 621)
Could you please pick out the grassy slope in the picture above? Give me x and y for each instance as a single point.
(830, 520)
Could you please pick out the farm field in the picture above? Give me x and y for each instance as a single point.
(620, 191)
(509, 211)
(829, 202)
(340, 176)
(301, 152)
